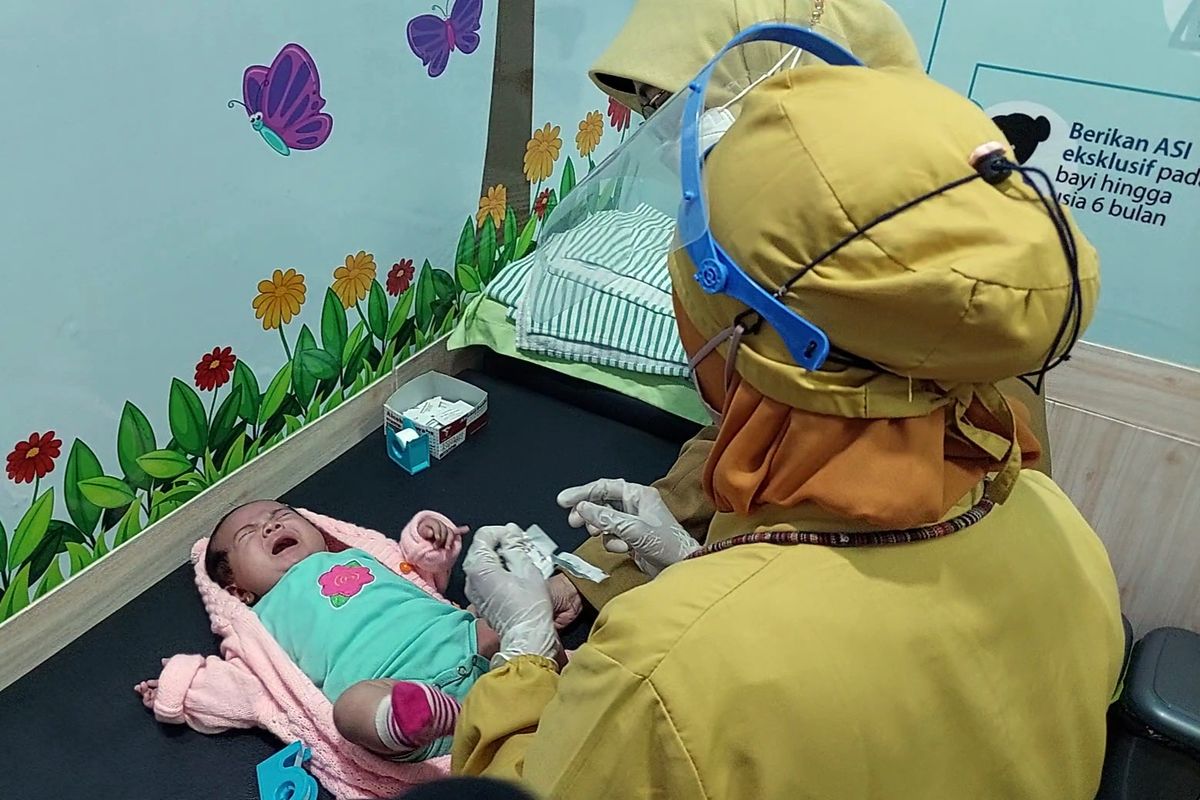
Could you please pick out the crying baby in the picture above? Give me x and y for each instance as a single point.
(393, 658)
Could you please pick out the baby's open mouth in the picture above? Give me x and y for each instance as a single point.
(283, 543)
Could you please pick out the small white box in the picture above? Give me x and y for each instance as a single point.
(450, 430)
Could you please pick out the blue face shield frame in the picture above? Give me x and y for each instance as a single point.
(716, 271)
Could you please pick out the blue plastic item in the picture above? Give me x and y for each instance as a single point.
(282, 776)
(412, 456)
(716, 271)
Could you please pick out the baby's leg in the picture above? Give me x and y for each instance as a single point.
(394, 718)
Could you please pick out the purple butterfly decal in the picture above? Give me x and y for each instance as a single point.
(433, 38)
(284, 102)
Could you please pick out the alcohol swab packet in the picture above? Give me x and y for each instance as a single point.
(576, 567)
(568, 562)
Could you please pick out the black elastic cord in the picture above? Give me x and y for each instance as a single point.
(1000, 167)
(850, 237)
(1073, 317)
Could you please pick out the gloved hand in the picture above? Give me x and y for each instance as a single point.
(629, 517)
(510, 593)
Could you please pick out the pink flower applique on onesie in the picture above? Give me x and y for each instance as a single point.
(343, 581)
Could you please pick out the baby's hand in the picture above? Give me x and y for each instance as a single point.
(566, 600)
(147, 690)
(439, 533)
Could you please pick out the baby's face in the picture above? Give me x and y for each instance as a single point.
(264, 540)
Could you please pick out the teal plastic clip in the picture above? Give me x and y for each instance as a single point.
(411, 456)
(282, 776)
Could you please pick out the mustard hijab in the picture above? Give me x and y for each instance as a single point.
(664, 43)
(962, 291)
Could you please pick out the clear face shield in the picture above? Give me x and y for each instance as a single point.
(607, 242)
(611, 237)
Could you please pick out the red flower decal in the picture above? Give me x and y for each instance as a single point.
(541, 203)
(33, 459)
(619, 114)
(343, 581)
(400, 277)
(212, 371)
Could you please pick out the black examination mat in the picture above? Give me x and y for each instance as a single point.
(74, 727)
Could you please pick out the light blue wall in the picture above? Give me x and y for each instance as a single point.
(138, 213)
(570, 36)
(1101, 64)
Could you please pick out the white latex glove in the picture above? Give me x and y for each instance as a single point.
(629, 518)
(510, 593)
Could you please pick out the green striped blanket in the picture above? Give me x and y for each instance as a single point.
(599, 293)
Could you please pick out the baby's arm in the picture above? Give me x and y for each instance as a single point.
(210, 695)
(430, 544)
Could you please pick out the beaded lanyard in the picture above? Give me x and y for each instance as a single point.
(866, 539)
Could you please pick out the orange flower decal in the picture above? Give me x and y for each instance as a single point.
(493, 204)
(541, 152)
(591, 129)
(279, 298)
(352, 281)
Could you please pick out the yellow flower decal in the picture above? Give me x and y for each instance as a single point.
(352, 281)
(494, 204)
(590, 131)
(279, 299)
(541, 152)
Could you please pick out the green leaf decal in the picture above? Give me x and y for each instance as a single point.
(129, 527)
(81, 465)
(567, 182)
(468, 278)
(243, 377)
(135, 438)
(276, 394)
(525, 241)
(31, 529)
(486, 258)
(465, 252)
(333, 323)
(107, 492)
(164, 464)
(426, 295)
(16, 597)
(189, 425)
(377, 311)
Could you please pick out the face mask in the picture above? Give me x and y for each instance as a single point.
(734, 337)
(715, 123)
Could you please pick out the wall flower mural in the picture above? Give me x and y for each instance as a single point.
(492, 205)
(620, 116)
(33, 459)
(352, 280)
(279, 300)
(157, 472)
(214, 369)
(400, 277)
(591, 130)
(217, 412)
(541, 152)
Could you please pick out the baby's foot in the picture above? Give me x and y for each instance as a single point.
(419, 715)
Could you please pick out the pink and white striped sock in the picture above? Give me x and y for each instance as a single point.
(415, 716)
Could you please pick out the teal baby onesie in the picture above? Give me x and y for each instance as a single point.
(344, 618)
